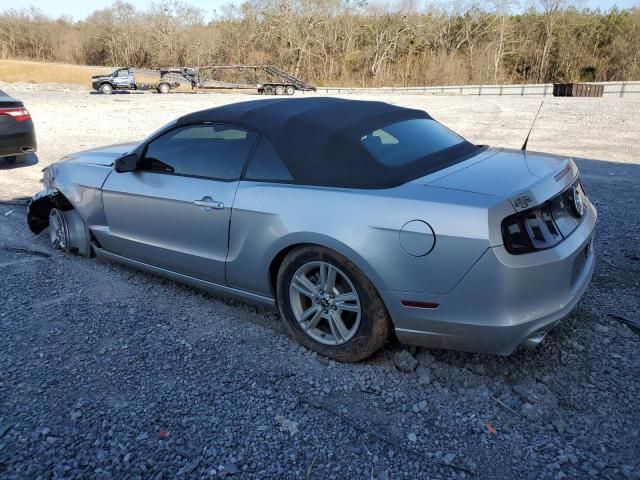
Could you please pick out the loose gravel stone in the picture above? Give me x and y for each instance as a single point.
(424, 377)
(405, 361)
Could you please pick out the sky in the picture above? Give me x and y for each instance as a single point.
(79, 9)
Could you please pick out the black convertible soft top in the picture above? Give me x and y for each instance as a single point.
(318, 139)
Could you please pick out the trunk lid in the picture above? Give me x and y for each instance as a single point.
(524, 178)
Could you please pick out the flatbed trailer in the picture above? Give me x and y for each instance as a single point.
(265, 79)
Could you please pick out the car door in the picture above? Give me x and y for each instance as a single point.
(174, 211)
(122, 79)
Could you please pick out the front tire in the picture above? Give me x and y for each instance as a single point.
(164, 88)
(106, 89)
(58, 231)
(69, 233)
(329, 306)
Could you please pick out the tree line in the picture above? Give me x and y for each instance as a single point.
(347, 42)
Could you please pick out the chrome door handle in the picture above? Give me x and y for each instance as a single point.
(209, 204)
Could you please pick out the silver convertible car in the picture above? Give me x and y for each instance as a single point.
(357, 220)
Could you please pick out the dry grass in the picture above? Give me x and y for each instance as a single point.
(41, 72)
(37, 72)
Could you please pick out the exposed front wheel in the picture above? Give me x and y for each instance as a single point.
(329, 306)
(68, 232)
(164, 88)
(106, 89)
(58, 231)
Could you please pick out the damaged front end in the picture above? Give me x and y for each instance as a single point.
(72, 194)
(40, 207)
(60, 206)
(41, 203)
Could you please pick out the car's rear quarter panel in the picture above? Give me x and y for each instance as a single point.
(362, 225)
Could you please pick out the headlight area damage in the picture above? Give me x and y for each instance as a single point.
(40, 208)
(68, 232)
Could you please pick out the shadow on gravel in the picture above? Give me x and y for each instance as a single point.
(118, 92)
(25, 251)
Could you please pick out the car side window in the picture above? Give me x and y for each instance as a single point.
(123, 73)
(266, 164)
(208, 150)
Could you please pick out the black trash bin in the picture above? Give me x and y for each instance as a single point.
(577, 90)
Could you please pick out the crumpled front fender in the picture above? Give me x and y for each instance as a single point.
(40, 206)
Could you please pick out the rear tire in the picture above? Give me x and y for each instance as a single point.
(279, 90)
(268, 90)
(164, 88)
(106, 89)
(290, 90)
(343, 318)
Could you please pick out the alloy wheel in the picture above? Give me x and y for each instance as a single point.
(325, 303)
(57, 230)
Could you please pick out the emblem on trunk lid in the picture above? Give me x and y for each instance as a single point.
(522, 202)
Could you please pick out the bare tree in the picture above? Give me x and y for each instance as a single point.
(346, 42)
(552, 10)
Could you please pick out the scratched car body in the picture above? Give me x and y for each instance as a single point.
(357, 220)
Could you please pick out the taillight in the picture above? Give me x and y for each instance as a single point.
(546, 225)
(19, 113)
(532, 230)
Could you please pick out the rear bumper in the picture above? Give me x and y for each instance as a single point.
(505, 301)
(18, 139)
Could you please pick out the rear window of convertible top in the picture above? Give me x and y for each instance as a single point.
(403, 142)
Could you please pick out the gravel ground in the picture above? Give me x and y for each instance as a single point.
(108, 372)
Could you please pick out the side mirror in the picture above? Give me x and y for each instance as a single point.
(128, 163)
